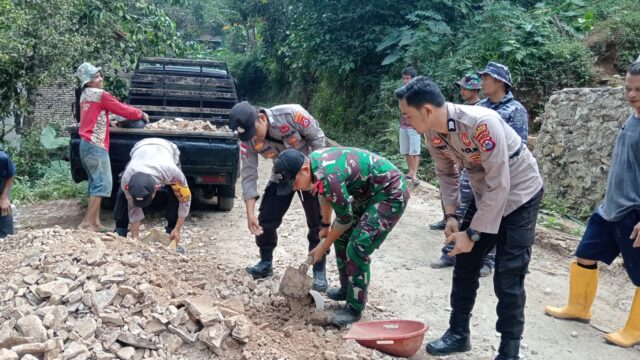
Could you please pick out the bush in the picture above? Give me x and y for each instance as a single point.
(541, 60)
(55, 183)
(41, 173)
(616, 40)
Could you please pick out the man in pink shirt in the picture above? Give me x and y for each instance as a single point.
(95, 106)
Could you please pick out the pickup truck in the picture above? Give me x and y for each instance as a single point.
(187, 89)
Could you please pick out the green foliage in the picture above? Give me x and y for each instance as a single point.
(616, 39)
(40, 43)
(55, 183)
(553, 203)
(49, 140)
(541, 60)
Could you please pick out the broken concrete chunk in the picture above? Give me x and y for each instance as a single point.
(85, 327)
(235, 304)
(242, 330)
(171, 341)
(73, 350)
(126, 353)
(136, 341)
(95, 255)
(31, 326)
(59, 288)
(154, 327)
(31, 348)
(127, 290)
(52, 355)
(214, 336)
(185, 336)
(6, 354)
(111, 319)
(101, 355)
(73, 296)
(103, 298)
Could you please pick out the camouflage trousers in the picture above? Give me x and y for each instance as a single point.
(372, 223)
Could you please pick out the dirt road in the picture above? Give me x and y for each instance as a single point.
(403, 284)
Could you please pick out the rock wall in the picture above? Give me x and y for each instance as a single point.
(575, 143)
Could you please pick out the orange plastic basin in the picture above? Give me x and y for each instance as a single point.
(394, 337)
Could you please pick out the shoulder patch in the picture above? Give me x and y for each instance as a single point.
(301, 119)
(481, 133)
(436, 141)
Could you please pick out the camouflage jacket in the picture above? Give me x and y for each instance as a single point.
(512, 112)
(290, 126)
(344, 172)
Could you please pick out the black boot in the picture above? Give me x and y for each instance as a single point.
(264, 268)
(438, 225)
(339, 293)
(345, 316)
(455, 340)
(320, 283)
(509, 349)
(121, 231)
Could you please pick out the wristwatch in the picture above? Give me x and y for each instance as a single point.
(473, 235)
(447, 216)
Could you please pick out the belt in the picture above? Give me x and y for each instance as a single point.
(515, 154)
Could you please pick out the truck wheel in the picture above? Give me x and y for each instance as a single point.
(225, 203)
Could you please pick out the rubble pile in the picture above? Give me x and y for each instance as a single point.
(72, 294)
(187, 125)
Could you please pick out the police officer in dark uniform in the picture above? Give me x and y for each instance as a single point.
(266, 133)
(508, 190)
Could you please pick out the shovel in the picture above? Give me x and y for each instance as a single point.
(295, 283)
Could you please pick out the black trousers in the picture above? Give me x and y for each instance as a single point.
(121, 210)
(513, 252)
(272, 210)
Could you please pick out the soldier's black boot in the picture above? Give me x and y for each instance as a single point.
(263, 268)
(345, 316)
(509, 350)
(320, 283)
(339, 293)
(456, 339)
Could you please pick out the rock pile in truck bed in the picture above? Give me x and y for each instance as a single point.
(71, 294)
(187, 125)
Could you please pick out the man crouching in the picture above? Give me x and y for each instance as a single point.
(379, 197)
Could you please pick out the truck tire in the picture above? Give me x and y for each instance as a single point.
(225, 203)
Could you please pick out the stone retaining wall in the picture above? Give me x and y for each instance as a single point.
(574, 146)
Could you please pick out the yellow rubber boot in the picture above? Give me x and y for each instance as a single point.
(630, 334)
(583, 284)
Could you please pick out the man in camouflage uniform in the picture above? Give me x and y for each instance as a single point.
(267, 132)
(508, 190)
(469, 87)
(368, 195)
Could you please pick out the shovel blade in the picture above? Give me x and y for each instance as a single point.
(295, 283)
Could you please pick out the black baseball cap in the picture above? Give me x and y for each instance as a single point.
(141, 187)
(286, 168)
(242, 119)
